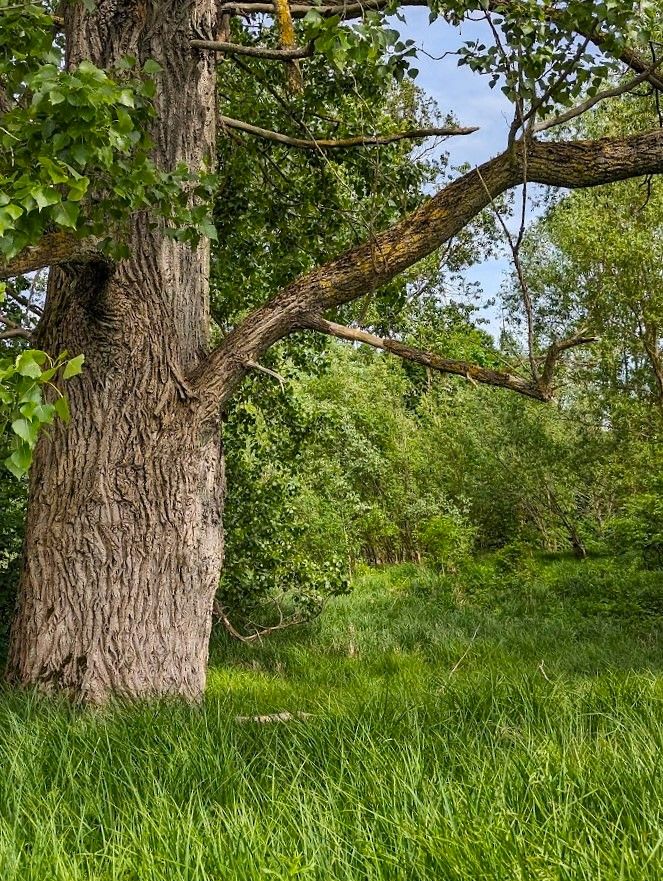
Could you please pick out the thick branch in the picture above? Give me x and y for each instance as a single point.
(571, 164)
(51, 250)
(254, 51)
(472, 372)
(635, 61)
(287, 40)
(555, 350)
(342, 143)
(13, 333)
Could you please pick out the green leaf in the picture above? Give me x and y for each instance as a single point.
(152, 67)
(66, 214)
(26, 430)
(44, 414)
(28, 410)
(44, 196)
(73, 367)
(62, 409)
(78, 189)
(54, 171)
(28, 363)
(127, 98)
(13, 211)
(20, 460)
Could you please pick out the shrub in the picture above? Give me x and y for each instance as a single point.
(640, 529)
(447, 541)
(516, 556)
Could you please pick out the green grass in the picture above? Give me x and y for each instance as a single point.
(509, 729)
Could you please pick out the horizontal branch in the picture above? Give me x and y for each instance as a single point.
(471, 372)
(13, 329)
(254, 51)
(342, 143)
(13, 333)
(299, 10)
(51, 250)
(568, 164)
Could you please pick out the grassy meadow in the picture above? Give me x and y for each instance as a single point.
(503, 726)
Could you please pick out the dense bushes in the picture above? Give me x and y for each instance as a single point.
(639, 529)
(366, 461)
(369, 462)
(520, 583)
(447, 540)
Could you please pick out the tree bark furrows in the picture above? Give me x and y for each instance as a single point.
(124, 538)
(170, 281)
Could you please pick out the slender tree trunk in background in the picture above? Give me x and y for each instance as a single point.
(652, 348)
(124, 537)
(579, 549)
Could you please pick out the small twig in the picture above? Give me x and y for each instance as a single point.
(514, 247)
(584, 106)
(219, 612)
(255, 366)
(556, 82)
(37, 311)
(543, 672)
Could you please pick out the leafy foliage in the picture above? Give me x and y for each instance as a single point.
(447, 541)
(358, 458)
(75, 144)
(24, 410)
(639, 529)
(540, 53)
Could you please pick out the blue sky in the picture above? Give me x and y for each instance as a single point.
(467, 95)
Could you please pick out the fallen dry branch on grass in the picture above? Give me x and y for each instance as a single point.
(275, 717)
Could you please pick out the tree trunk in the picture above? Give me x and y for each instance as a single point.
(124, 538)
(652, 348)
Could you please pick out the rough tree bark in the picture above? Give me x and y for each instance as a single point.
(124, 539)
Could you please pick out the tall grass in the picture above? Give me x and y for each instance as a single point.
(451, 735)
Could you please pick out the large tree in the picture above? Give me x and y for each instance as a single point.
(124, 540)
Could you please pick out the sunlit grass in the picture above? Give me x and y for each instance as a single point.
(447, 739)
